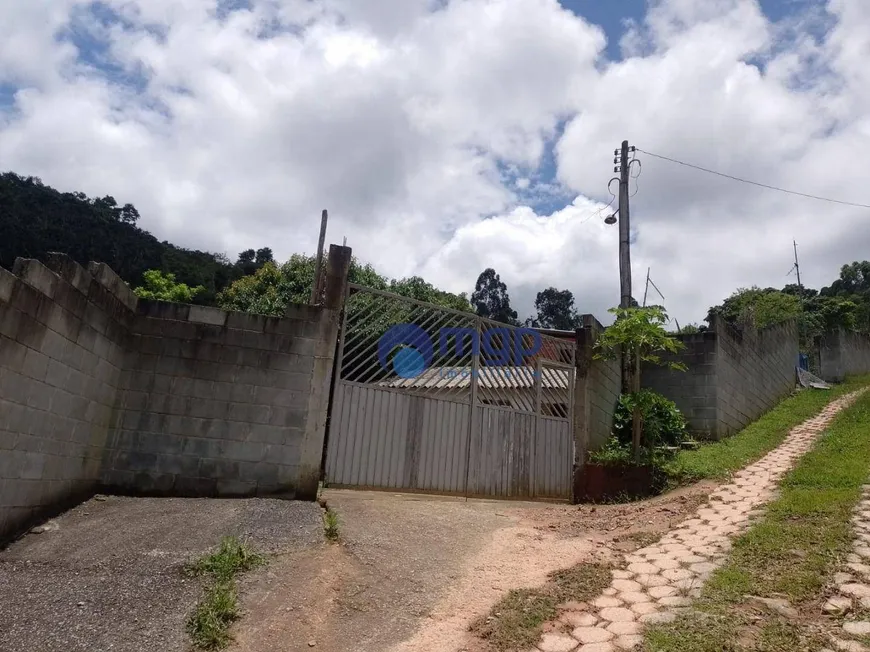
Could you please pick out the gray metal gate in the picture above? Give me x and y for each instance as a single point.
(437, 400)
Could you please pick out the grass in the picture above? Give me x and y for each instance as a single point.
(791, 553)
(210, 621)
(330, 524)
(514, 623)
(718, 460)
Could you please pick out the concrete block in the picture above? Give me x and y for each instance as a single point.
(208, 409)
(153, 345)
(12, 354)
(202, 447)
(219, 469)
(248, 413)
(37, 275)
(202, 389)
(30, 332)
(207, 315)
(268, 434)
(246, 321)
(10, 321)
(231, 488)
(277, 397)
(7, 283)
(242, 392)
(217, 428)
(57, 374)
(38, 395)
(238, 430)
(245, 451)
(106, 277)
(180, 404)
(33, 465)
(96, 318)
(288, 418)
(182, 386)
(290, 381)
(194, 487)
(174, 464)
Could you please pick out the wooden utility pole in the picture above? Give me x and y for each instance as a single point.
(797, 266)
(317, 286)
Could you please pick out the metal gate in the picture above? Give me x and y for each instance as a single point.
(437, 400)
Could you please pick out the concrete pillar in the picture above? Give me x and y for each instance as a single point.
(337, 269)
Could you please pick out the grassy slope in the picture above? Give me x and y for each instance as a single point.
(720, 459)
(791, 553)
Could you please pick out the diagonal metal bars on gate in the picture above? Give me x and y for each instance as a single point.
(452, 364)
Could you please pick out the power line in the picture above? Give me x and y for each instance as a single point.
(754, 183)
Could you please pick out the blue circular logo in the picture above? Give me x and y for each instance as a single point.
(415, 354)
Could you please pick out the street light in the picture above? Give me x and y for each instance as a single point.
(610, 219)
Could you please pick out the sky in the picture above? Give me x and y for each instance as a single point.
(448, 136)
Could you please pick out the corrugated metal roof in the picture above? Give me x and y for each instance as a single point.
(488, 378)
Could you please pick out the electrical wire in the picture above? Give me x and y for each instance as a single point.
(635, 176)
(753, 183)
(609, 204)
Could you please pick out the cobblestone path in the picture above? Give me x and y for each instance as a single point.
(661, 578)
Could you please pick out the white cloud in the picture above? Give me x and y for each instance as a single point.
(421, 126)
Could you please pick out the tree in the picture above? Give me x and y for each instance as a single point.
(162, 287)
(36, 219)
(854, 285)
(555, 309)
(247, 262)
(417, 288)
(639, 333)
(263, 256)
(762, 308)
(490, 298)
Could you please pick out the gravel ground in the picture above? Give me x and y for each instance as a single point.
(107, 574)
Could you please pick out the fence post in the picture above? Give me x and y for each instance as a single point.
(539, 383)
(475, 378)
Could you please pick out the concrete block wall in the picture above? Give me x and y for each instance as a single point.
(694, 391)
(755, 370)
(733, 376)
(100, 391)
(62, 341)
(213, 403)
(597, 387)
(842, 353)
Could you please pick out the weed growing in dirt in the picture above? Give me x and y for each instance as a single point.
(209, 624)
(790, 554)
(720, 459)
(514, 623)
(330, 524)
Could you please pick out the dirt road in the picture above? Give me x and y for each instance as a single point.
(409, 574)
(412, 572)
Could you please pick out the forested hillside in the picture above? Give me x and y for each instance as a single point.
(36, 219)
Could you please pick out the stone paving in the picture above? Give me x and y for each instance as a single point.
(661, 578)
(851, 596)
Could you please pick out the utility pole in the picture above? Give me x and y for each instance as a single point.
(624, 230)
(317, 287)
(624, 250)
(646, 287)
(797, 266)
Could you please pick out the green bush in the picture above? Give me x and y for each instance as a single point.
(663, 423)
